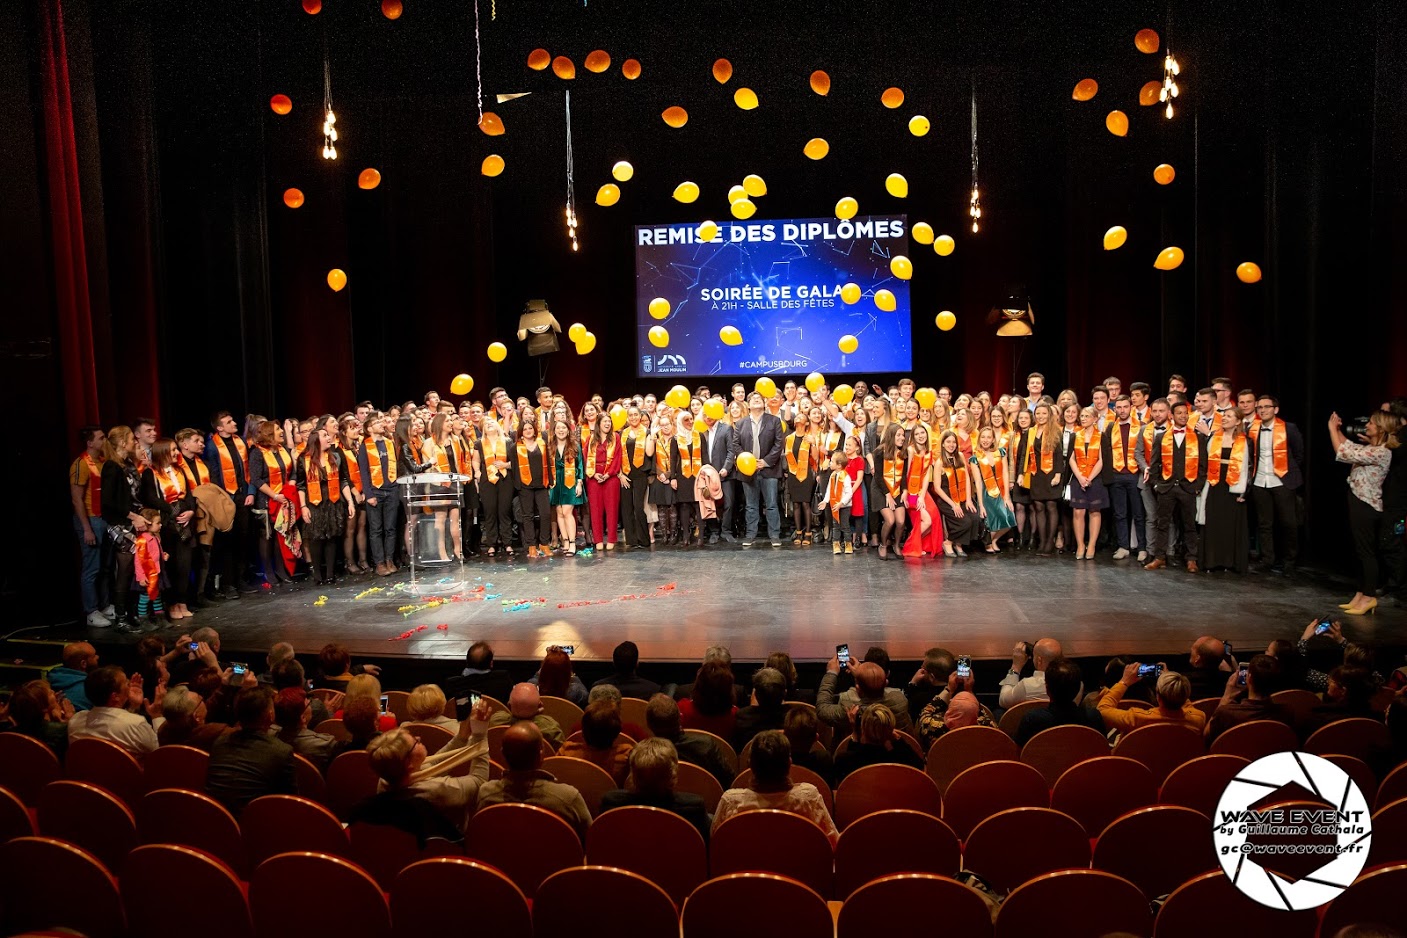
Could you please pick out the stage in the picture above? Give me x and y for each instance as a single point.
(674, 603)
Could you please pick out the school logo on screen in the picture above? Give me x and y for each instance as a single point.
(647, 363)
(669, 365)
(1292, 831)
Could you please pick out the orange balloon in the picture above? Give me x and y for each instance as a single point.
(281, 104)
(820, 82)
(816, 148)
(539, 59)
(1147, 40)
(1148, 94)
(491, 124)
(1169, 258)
(1163, 174)
(369, 179)
(492, 165)
(597, 61)
(722, 71)
(1248, 272)
(392, 9)
(675, 116)
(1085, 89)
(630, 68)
(1118, 123)
(563, 68)
(336, 279)
(293, 198)
(312, 7)
(891, 98)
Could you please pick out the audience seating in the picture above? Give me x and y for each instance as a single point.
(630, 838)
(1254, 739)
(15, 819)
(730, 756)
(349, 780)
(332, 698)
(168, 888)
(958, 750)
(632, 713)
(1375, 896)
(1360, 773)
(755, 905)
(1085, 902)
(1389, 834)
(106, 765)
(1207, 705)
(308, 778)
(1200, 783)
(334, 728)
(566, 713)
(914, 904)
(1300, 702)
(383, 851)
(396, 704)
(797, 774)
(89, 817)
(1099, 790)
(1358, 737)
(175, 767)
(419, 908)
(277, 824)
(796, 848)
(565, 901)
(1393, 787)
(885, 785)
(586, 777)
(895, 841)
(1011, 719)
(901, 739)
(745, 754)
(192, 819)
(1019, 844)
(432, 737)
(1157, 848)
(527, 843)
(1210, 906)
(621, 737)
(280, 889)
(1162, 747)
(51, 884)
(1053, 751)
(26, 766)
(698, 781)
(986, 789)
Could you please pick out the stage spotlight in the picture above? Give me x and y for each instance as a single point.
(1013, 316)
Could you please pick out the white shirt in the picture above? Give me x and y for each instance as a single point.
(1265, 459)
(129, 730)
(802, 799)
(1016, 689)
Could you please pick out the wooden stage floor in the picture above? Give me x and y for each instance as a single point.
(675, 603)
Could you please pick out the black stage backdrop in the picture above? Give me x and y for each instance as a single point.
(149, 266)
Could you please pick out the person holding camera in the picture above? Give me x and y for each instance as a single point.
(1370, 461)
(1173, 692)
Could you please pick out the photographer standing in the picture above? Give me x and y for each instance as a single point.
(1370, 463)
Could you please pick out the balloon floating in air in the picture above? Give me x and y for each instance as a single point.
(1115, 237)
(919, 125)
(1169, 258)
(816, 148)
(622, 171)
(896, 185)
(293, 198)
(746, 463)
(922, 232)
(848, 343)
(708, 231)
(713, 409)
(842, 394)
(675, 116)
(722, 71)
(369, 179)
(659, 336)
(677, 396)
(901, 267)
(336, 279)
(1148, 94)
(587, 344)
(608, 195)
(884, 300)
(619, 415)
(946, 320)
(743, 209)
(891, 98)
(1248, 272)
(392, 10)
(1085, 89)
(729, 335)
(659, 308)
(735, 193)
(926, 398)
(312, 7)
(280, 104)
(754, 185)
(850, 294)
(491, 124)
(1164, 174)
(630, 68)
(1118, 123)
(462, 384)
(686, 192)
(492, 165)
(539, 59)
(497, 351)
(846, 208)
(1147, 41)
(597, 61)
(745, 98)
(943, 245)
(563, 68)
(575, 331)
(815, 381)
(766, 387)
(820, 82)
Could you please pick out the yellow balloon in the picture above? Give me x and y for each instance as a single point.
(659, 307)
(926, 397)
(943, 245)
(659, 336)
(713, 409)
(336, 279)
(678, 396)
(746, 463)
(492, 165)
(896, 185)
(497, 351)
(846, 208)
(462, 384)
(607, 195)
(901, 267)
(1163, 174)
(848, 344)
(575, 331)
(755, 186)
(816, 148)
(1248, 272)
(946, 320)
(619, 415)
(744, 208)
(1115, 237)
(850, 294)
(842, 394)
(587, 343)
(729, 335)
(1118, 123)
(918, 125)
(922, 232)
(686, 192)
(735, 193)
(708, 231)
(1169, 258)
(622, 171)
(815, 381)
(884, 300)
(745, 98)
(766, 387)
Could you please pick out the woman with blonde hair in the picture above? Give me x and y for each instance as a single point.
(1047, 473)
(990, 478)
(122, 509)
(437, 451)
(367, 686)
(888, 488)
(925, 531)
(495, 489)
(963, 428)
(568, 482)
(349, 432)
(1088, 496)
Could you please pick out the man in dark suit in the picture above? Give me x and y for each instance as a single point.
(1121, 475)
(479, 676)
(1174, 490)
(1277, 454)
(717, 445)
(760, 433)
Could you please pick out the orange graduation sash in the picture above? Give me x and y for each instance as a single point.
(1191, 454)
(1238, 452)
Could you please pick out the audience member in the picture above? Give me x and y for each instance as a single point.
(479, 676)
(601, 741)
(710, 704)
(293, 712)
(802, 730)
(611, 693)
(875, 741)
(1208, 667)
(185, 720)
(1063, 683)
(290, 673)
(525, 782)
(365, 685)
(525, 704)
(334, 668)
(116, 714)
(426, 704)
(361, 717)
(281, 652)
(662, 717)
(1173, 693)
(1016, 688)
(783, 663)
(1350, 694)
(767, 711)
(929, 680)
(1262, 680)
(37, 712)
(555, 678)
(835, 710)
(772, 787)
(938, 715)
(654, 773)
(1292, 664)
(78, 659)
(250, 762)
(626, 658)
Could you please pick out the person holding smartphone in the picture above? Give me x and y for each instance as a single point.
(1247, 697)
(1173, 693)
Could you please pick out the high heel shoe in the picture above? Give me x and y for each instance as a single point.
(1370, 608)
(1346, 605)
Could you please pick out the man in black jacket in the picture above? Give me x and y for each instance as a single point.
(1178, 452)
(766, 711)
(717, 443)
(626, 658)
(760, 433)
(479, 676)
(1277, 458)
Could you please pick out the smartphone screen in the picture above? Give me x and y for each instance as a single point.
(195, 646)
(1147, 671)
(463, 706)
(842, 654)
(1323, 626)
(964, 666)
(1226, 649)
(569, 649)
(385, 702)
(1241, 676)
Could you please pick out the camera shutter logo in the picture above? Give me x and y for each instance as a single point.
(1292, 831)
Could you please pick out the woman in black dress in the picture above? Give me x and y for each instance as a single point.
(326, 490)
(952, 484)
(164, 486)
(634, 479)
(1226, 536)
(664, 456)
(1047, 478)
(799, 451)
(122, 510)
(1068, 418)
(887, 491)
(1023, 433)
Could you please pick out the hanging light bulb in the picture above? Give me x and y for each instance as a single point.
(974, 204)
(1169, 90)
(329, 120)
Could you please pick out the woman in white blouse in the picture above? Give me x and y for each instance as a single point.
(1370, 463)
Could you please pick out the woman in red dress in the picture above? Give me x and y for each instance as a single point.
(925, 531)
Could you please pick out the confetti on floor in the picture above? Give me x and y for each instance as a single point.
(322, 601)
